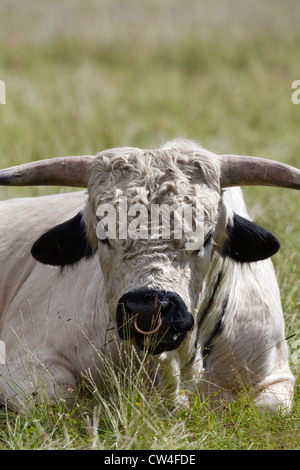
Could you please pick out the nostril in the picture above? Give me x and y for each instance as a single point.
(163, 304)
(147, 308)
(140, 307)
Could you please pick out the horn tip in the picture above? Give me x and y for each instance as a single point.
(6, 178)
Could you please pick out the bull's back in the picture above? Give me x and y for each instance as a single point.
(22, 221)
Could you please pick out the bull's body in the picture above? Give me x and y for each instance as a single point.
(43, 310)
(57, 320)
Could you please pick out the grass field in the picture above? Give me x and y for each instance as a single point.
(84, 76)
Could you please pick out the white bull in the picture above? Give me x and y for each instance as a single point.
(211, 316)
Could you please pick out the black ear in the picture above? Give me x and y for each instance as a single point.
(64, 244)
(249, 242)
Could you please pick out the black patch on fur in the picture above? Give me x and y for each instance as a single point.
(64, 244)
(208, 345)
(249, 242)
(208, 307)
(211, 301)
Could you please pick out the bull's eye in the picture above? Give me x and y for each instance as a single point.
(105, 241)
(207, 241)
(101, 232)
(208, 238)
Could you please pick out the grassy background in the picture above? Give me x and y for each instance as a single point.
(84, 76)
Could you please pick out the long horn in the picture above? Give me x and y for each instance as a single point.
(61, 171)
(239, 170)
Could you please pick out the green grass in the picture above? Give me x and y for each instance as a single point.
(126, 417)
(129, 414)
(81, 79)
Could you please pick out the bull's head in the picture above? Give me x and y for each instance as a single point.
(155, 283)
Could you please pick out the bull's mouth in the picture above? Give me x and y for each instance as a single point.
(159, 338)
(160, 342)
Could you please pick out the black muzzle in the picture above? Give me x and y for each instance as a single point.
(157, 320)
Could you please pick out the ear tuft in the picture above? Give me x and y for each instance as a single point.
(64, 244)
(249, 242)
